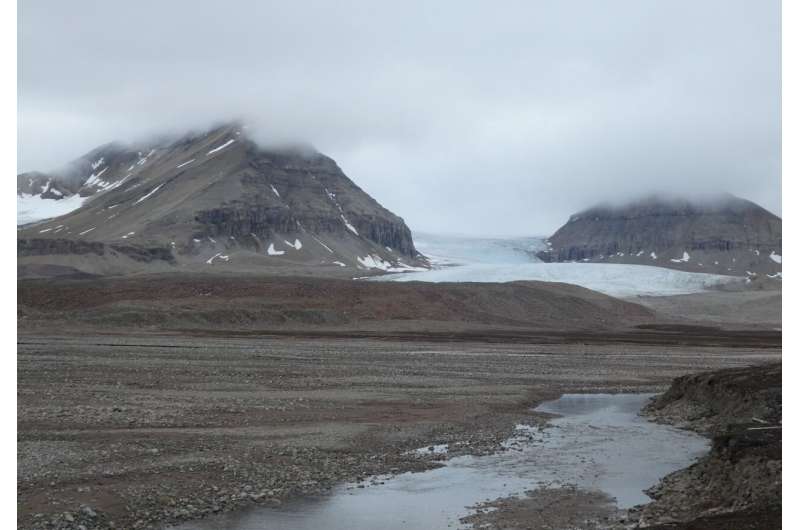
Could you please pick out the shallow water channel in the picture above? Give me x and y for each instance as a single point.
(599, 443)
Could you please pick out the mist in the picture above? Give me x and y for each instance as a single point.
(460, 117)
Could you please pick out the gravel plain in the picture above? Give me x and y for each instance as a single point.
(146, 430)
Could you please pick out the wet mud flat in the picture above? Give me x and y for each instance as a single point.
(146, 431)
(597, 451)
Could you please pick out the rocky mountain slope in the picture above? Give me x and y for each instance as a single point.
(723, 235)
(214, 200)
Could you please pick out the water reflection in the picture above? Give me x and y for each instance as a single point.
(599, 442)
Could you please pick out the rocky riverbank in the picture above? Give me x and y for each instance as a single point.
(738, 484)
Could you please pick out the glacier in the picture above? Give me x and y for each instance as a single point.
(466, 259)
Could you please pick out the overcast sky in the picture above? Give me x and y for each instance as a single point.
(464, 117)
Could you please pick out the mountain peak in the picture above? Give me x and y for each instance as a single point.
(718, 233)
(708, 202)
(219, 198)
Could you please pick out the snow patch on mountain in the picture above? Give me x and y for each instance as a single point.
(143, 159)
(32, 208)
(272, 252)
(297, 245)
(221, 147)
(94, 179)
(219, 255)
(348, 225)
(373, 261)
(685, 258)
(150, 194)
(326, 247)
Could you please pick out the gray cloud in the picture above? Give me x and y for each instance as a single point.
(465, 117)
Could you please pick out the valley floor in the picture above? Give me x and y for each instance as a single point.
(756, 308)
(142, 430)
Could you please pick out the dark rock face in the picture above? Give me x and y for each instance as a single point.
(289, 192)
(724, 230)
(387, 233)
(319, 197)
(246, 223)
(42, 247)
(144, 255)
(49, 247)
(252, 224)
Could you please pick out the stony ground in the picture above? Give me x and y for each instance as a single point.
(753, 308)
(547, 509)
(141, 431)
